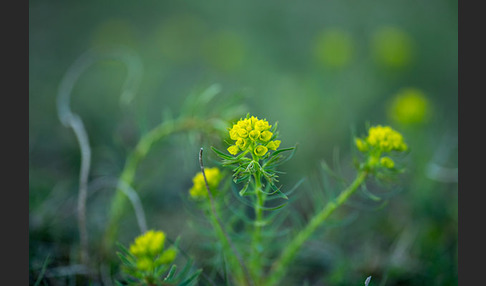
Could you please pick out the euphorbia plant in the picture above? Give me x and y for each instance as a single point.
(253, 157)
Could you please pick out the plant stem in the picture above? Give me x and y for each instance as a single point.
(256, 247)
(223, 234)
(222, 237)
(119, 202)
(280, 266)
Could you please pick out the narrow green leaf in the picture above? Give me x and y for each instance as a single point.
(369, 194)
(125, 260)
(245, 188)
(171, 273)
(43, 270)
(277, 191)
(185, 269)
(274, 208)
(191, 278)
(221, 154)
(124, 250)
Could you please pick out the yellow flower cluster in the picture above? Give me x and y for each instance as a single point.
(148, 250)
(198, 190)
(381, 139)
(253, 134)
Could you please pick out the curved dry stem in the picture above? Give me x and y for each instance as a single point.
(72, 120)
(129, 192)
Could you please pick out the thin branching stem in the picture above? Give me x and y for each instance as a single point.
(279, 268)
(248, 279)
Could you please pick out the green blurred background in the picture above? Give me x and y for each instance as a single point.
(322, 69)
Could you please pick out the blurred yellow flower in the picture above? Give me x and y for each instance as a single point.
(149, 253)
(392, 47)
(409, 106)
(386, 139)
(150, 243)
(168, 256)
(361, 145)
(144, 264)
(387, 162)
(382, 139)
(213, 176)
(334, 48)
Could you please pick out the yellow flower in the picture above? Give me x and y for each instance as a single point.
(385, 139)
(248, 133)
(243, 133)
(254, 135)
(168, 256)
(410, 106)
(144, 264)
(392, 47)
(260, 150)
(150, 243)
(266, 135)
(253, 120)
(273, 145)
(198, 190)
(334, 48)
(148, 251)
(234, 133)
(387, 162)
(262, 125)
(233, 149)
(361, 145)
(241, 143)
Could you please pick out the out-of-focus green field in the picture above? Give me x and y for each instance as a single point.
(322, 69)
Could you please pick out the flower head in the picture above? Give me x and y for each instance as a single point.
(380, 140)
(148, 244)
(148, 250)
(383, 139)
(252, 134)
(213, 176)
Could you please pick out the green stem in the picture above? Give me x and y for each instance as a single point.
(257, 248)
(280, 266)
(119, 202)
(227, 251)
(240, 279)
